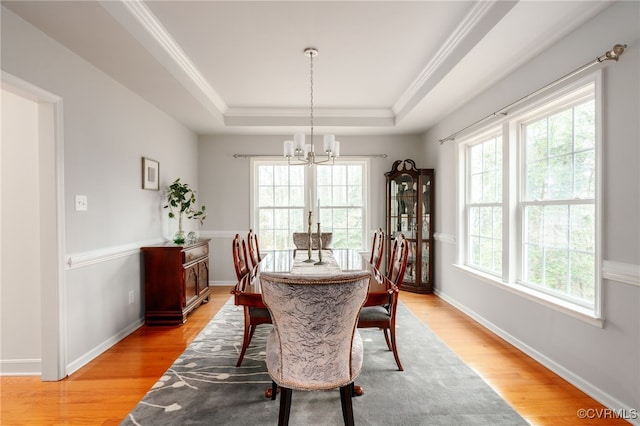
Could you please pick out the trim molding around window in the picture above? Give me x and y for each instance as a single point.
(529, 211)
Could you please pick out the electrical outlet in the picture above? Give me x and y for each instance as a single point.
(81, 203)
(131, 297)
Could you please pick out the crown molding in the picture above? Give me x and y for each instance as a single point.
(138, 20)
(475, 25)
(300, 117)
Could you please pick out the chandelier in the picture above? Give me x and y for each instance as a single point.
(303, 153)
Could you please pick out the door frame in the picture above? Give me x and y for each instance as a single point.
(52, 224)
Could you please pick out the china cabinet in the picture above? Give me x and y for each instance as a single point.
(410, 210)
(176, 281)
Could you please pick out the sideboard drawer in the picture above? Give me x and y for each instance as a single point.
(195, 253)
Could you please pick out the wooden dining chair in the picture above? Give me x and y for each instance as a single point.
(254, 250)
(314, 343)
(240, 257)
(377, 249)
(384, 316)
(253, 316)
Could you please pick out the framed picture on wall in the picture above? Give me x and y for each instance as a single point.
(150, 174)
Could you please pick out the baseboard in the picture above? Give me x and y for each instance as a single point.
(21, 367)
(593, 391)
(74, 366)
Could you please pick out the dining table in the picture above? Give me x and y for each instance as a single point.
(247, 291)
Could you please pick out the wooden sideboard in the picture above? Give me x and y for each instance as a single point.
(176, 281)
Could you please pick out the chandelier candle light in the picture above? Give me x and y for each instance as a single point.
(297, 148)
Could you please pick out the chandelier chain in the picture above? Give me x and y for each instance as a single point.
(311, 81)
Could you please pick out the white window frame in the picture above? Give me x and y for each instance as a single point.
(513, 183)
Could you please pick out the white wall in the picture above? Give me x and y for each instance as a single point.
(224, 183)
(603, 362)
(20, 260)
(107, 130)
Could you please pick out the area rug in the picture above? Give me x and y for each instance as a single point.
(203, 386)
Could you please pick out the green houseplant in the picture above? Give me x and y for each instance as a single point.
(181, 201)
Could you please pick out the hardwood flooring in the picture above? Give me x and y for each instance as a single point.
(106, 390)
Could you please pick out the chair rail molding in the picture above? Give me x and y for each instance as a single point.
(625, 273)
(445, 238)
(80, 260)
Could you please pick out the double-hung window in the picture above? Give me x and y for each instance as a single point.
(530, 193)
(283, 195)
(558, 199)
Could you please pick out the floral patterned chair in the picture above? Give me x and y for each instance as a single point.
(301, 241)
(314, 343)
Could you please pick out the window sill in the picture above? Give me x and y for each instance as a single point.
(567, 308)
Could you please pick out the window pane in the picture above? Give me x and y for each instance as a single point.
(556, 226)
(585, 176)
(585, 137)
(582, 228)
(561, 133)
(533, 225)
(534, 263)
(265, 175)
(556, 269)
(536, 141)
(281, 195)
(536, 179)
(339, 196)
(582, 274)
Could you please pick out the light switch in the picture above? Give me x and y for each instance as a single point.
(81, 203)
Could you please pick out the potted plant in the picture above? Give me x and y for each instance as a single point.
(181, 201)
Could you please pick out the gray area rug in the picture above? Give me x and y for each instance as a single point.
(203, 386)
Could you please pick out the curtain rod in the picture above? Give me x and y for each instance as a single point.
(612, 54)
(270, 155)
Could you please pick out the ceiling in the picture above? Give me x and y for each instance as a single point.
(237, 67)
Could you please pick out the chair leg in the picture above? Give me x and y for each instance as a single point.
(395, 348)
(346, 393)
(386, 339)
(246, 338)
(285, 406)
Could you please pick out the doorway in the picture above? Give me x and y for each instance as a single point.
(32, 232)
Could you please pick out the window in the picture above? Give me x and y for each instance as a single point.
(280, 201)
(532, 222)
(342, 203)
(283, 195)
(484, 205)
(558, 200)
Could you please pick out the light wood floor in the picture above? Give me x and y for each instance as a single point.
(107, 389)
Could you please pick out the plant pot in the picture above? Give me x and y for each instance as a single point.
(180, 237)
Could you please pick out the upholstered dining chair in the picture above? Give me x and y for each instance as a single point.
(314, 343)
(301, 241)
(377, 249)
(254, 249)
(253, 316)
(384, 316)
